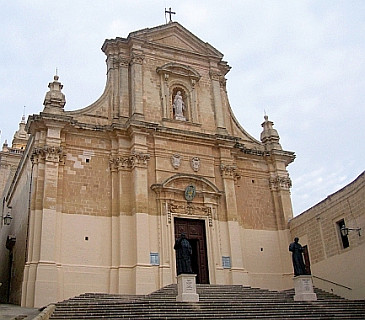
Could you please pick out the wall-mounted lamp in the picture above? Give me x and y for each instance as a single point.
(345, 231)
(8, 217)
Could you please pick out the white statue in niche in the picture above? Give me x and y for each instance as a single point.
(179, 107)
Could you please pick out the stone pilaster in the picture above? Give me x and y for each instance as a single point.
(136, 85)
(115, 225)
(115, 84)
(139, 160)
(229, 174)
(41, 254)
(280, 184)
(41, 272)
(164, 78)
(124, 86)
(118, 79)
(218, 105)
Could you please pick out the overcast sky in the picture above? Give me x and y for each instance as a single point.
(303, 62)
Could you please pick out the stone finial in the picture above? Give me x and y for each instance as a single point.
(269, 136)
(20, 137)
(54, 100)
(21, 133)
(5, 146)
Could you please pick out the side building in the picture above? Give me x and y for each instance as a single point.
(10, 157)
(101, 193)
(333, 231)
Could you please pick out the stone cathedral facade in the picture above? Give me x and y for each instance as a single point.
(102, 192)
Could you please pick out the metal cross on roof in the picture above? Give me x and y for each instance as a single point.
(170, 13)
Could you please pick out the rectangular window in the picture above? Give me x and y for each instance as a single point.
(226, 262)
(154, 258)
(343, 235)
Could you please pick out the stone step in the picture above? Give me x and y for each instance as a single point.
(216, 302)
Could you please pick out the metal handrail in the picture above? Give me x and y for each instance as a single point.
(337, 284)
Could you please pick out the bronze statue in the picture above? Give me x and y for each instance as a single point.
(183, 255)
(297, 257)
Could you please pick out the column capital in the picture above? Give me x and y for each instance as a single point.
(280, 183)
(137, 58)
(229, 171)
(48, 154)
(128, 162)
(215, 75)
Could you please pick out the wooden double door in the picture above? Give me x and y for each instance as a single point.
(195, 233)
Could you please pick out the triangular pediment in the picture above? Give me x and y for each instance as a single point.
(174, 35)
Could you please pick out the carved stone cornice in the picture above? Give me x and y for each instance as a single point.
(252, 151)
(229, 171)
(129, 162)
(280, 183)
(48, 153)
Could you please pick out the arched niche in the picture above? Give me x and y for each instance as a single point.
(176, 77)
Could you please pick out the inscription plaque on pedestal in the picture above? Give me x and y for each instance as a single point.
(304, 288)
(186, 288)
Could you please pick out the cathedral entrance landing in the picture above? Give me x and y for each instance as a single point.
(195, 233)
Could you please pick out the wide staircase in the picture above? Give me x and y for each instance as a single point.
(215, 302)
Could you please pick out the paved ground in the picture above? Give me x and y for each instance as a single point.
(10, 311)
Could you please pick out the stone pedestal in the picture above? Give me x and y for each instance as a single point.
(186, 288)
(179, 117)
(303, 286)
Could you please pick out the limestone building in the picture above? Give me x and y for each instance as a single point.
(337, 258)
(10, 156)
(101, 193)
